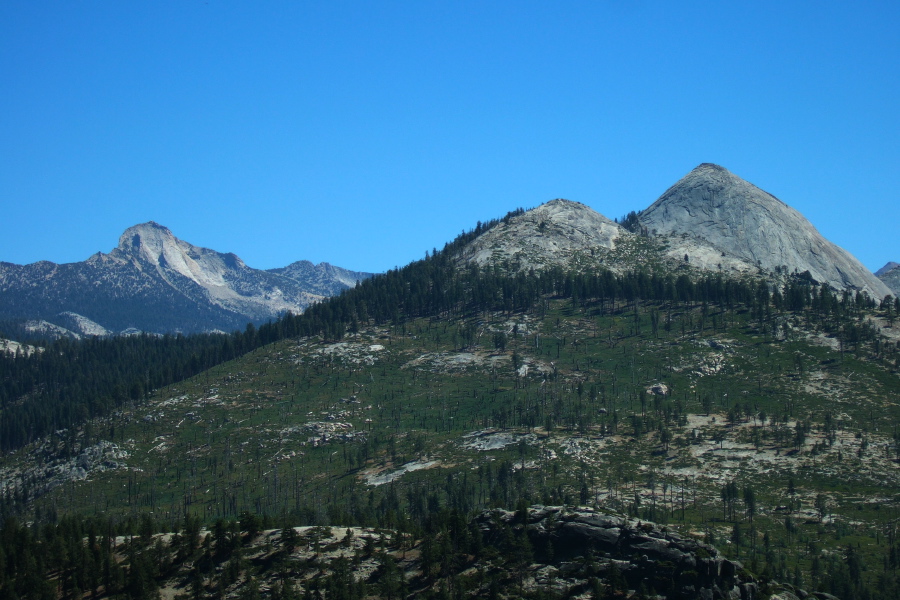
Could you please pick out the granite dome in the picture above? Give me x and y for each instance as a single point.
(713, 217)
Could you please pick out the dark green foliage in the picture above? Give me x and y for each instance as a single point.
(632, 223)
(391, 582)
(72, 381)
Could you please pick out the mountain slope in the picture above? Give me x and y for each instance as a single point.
(661, 397)
(890, 266)
(152, 281)
(711, 220)
(714, 217)
(642, 408)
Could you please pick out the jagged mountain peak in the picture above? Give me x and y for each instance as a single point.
(153, 244)
(323, 278)
(889, 274)
(719, 220)
(155, 282)
(890, 266)
(157, 244)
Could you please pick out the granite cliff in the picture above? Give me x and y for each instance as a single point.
(716, 218)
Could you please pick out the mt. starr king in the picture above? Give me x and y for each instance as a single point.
(710, 220)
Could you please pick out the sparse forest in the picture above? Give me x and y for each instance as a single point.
(429, 394)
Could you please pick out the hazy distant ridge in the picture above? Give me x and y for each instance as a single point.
(889, 274)
(155, 282)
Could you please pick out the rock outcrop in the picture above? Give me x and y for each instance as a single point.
(644, 554)
(715, 217)
(711, 220)
(572, 545)
(55, 469)
(223, 279)
(557, 233)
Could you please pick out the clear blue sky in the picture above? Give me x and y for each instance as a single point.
(365, 133)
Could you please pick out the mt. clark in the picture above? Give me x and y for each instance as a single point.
(155, 282)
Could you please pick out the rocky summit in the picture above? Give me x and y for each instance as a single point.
(890, 266)
(557, 233)
(710, 220)
(889, 274)
(717, 220)
(153, 281)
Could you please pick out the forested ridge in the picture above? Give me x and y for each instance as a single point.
(71, 381)
(433, 301)
(76, 380)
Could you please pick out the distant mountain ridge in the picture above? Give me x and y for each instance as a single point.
(889, 274)
(324, 279)
(153, 281)
(890, 266)
(710, 220)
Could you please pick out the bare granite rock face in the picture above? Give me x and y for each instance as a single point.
(223, 279)
(721, 221)
(557, 233)
(890, 266)
(711, 220)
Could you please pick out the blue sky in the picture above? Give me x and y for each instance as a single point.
(365, 133)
